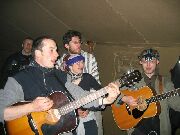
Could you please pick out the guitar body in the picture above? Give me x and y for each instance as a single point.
(49, 122)
(44, 121)
(127, 117)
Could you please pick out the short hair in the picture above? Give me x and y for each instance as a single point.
(30, 38)
(38, 43)
(67, 37)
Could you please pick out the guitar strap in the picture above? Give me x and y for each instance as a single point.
(160, 84)
(160, 92)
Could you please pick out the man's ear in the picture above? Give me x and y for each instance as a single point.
(37, 53)
(66, 46)
(140, 62)
(157, 62)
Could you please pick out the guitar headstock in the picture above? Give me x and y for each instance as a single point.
(128, 79)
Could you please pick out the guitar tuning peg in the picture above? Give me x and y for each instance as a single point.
(128, 72)
(131, 70)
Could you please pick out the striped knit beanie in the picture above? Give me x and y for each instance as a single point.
(73, 59)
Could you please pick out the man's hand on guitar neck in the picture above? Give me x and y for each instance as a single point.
(113, 92)
(83, 113)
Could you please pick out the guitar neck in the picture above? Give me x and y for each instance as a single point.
(126, 80)
(82, 101)
(163, 96)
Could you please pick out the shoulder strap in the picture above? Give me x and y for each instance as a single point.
(160, 84)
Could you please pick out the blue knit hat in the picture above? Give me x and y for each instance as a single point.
(73, 59)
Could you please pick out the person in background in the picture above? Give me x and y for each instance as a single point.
(36, 82)
(74, 65)
(159, 124)
(175, 115)
(17, 61)
(72, 41)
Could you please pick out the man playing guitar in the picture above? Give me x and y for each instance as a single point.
(158, 123)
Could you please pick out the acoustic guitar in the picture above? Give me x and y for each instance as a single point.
(127, 117)
(62, 117)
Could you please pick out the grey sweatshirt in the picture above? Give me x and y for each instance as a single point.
(13, 93)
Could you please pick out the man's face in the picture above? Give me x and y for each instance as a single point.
(74, 46)
(48, 56)
(27, 45)
(149, 66)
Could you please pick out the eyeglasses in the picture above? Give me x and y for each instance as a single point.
(76, 42)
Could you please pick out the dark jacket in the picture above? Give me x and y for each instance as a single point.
(37, 81)
(14, 63)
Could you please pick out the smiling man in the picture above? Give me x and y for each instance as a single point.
(35, 84)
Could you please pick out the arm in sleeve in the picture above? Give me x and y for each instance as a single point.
(6, 71)
(173, 102)
(59, 62)
(77, 92)
(11, 94)
(94, 69)
(95, 86)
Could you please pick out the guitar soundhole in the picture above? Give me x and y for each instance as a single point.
(137, 113)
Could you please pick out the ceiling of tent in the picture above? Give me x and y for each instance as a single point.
(112, 22)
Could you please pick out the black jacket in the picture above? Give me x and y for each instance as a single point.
(14, 63)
